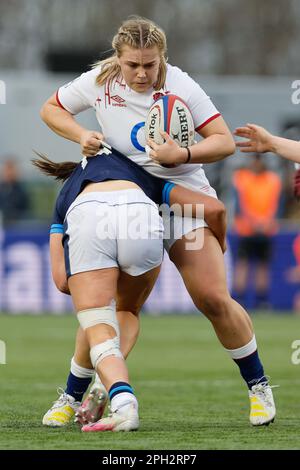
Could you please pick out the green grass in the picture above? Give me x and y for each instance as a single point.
(190, 393)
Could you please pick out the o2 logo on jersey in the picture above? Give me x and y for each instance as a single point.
(138, 134)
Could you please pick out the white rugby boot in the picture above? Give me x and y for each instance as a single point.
(262, 406)
(93, 407)
(62, 411)
(117, 420)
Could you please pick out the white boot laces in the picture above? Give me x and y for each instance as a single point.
(260, 388)
(63, 398)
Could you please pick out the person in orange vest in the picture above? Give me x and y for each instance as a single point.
(258, 193)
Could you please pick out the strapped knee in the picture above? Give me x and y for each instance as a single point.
(110, 347)
(96, 316)
(102, 315)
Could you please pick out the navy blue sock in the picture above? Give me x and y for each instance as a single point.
(77, 386)
(251, 369)
(119, 387)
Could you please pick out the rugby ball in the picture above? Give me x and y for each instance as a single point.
(170, 114)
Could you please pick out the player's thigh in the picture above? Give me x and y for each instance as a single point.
(133, 291)
(93, 289)
(203, 270)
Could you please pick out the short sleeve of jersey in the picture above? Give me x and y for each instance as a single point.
(79, 94)
(202, 108)
(57, 220)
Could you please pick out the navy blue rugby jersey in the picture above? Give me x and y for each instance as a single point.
(114, 166)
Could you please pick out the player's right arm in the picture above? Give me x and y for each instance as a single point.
(63, 123)
(260, 140)
(60, 120)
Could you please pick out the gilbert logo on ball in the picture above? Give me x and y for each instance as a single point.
(2, 92)
(170, 114)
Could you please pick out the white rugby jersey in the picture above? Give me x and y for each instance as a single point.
(122, 112)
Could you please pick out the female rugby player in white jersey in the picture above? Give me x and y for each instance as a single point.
(121, 90)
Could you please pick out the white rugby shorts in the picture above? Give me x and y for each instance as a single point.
(113, 229)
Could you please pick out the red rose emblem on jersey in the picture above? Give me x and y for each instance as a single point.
(159, 94)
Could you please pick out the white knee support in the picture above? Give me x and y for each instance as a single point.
(110, 347)
(95, 316)
(102, 315)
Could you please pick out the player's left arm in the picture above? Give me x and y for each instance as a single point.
(57, 260)
(217, 144)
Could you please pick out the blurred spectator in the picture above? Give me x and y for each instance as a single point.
(258, 193)
(14, 200)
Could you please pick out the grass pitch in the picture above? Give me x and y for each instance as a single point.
(191, 395)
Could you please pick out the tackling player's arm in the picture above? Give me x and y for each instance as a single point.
(57, 260)
(63, 123)
(214, 210)
(260, 140)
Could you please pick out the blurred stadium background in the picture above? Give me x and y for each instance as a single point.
(245, 56)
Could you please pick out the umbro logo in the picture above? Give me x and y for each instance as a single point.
(117, 100)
